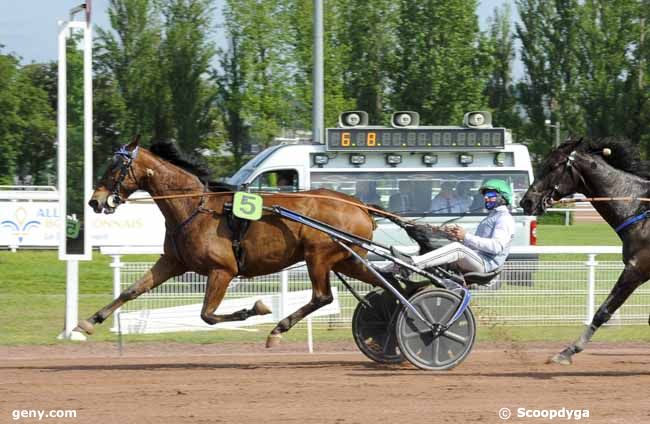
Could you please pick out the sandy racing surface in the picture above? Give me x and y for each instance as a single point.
(244, 383)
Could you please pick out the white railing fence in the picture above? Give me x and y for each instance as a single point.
(528, 293)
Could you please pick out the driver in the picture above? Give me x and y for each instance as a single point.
(486, 249)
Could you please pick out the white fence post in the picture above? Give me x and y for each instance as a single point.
(117, 277)
(310, 335)
(284, 293)
(591, 287)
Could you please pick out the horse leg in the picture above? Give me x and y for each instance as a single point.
(357, 270)
(628, 281)
(319, 273)
(165, 268)
(215, 290)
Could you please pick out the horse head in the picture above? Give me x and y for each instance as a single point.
(557, 178)
(119, 181)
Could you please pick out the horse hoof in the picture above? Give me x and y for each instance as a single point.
(85, 327)
(559, 359)
(273, 340)
(260, 308)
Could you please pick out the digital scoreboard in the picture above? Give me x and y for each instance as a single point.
(414, 139)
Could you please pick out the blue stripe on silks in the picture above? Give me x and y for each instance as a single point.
(633, 220)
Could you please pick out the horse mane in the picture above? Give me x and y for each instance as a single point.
(625, 154)
(169, 151)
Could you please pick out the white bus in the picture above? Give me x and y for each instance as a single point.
(429, 173)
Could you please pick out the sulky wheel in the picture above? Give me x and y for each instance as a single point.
(374, 328)
(417, 341)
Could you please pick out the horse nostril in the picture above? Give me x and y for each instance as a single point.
(93, 203)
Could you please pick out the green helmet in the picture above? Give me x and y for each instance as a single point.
(500, 186)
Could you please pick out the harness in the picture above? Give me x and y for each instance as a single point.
(237, 226)
(125, 167)
(633, 220)
(567, 167)
(628, 222)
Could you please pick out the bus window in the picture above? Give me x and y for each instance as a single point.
(366, 191)
(423, 194)
(278, 180)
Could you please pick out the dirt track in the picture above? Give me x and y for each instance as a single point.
(173, 383)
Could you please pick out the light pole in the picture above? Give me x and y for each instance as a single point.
(557, 127)
(318, 106)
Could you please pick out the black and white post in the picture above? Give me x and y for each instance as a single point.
(74, 240)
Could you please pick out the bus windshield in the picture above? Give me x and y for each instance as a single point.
(422, 194)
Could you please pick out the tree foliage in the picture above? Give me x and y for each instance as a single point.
(442, 62)
(187, 52)
(500, 89)
(158, 73)
(27, 124)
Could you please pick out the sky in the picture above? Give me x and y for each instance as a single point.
(29, 28)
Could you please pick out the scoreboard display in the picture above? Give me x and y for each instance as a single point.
(414, 139)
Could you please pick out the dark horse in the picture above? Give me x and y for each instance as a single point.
(601, 168)
(198, 237)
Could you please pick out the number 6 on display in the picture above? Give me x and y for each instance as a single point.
(247, 206)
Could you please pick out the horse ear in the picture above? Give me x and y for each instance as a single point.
(134, 143)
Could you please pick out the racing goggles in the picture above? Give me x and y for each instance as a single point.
(490, 194)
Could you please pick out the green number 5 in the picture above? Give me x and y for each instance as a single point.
(247, 206)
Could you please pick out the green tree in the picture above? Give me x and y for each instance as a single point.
(607, 37)
(27, 124)
(368, 40)
(10, 121)
(300, 39)
(500, 89)
(128, 62)
(187, 54)
(442, 61)
(37, 152)
(265, 64)
(230, 100)
(549, 32)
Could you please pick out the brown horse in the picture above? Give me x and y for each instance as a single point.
(198, 237)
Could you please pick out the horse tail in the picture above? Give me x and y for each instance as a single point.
(379, 211)
(424, 235)
(372, 213)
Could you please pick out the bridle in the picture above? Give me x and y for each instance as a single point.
(568, 166)
(126, 159)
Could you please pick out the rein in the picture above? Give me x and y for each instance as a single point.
(602, 199)
(266, 194)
